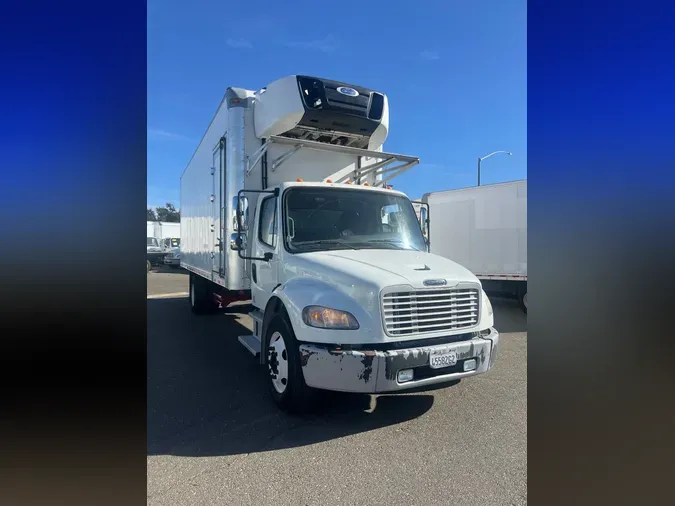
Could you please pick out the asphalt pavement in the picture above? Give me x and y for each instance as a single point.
(215, 436)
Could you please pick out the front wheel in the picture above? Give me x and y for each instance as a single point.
(284, 371)
(522, 299)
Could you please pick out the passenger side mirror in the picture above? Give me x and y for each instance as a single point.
(267, 256)
(424, 223)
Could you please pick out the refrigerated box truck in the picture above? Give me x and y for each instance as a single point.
(484, 228)
(286, 202)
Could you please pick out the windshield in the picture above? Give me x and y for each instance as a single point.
(327, 219)
(152, 241)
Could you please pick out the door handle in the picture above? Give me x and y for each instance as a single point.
(253, 274)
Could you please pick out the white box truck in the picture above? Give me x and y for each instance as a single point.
(169, 240)
(285, 202)
(484, 228)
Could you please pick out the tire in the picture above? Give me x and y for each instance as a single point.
(149, 266)
(283, 363)
(200, 297)
(522, 299)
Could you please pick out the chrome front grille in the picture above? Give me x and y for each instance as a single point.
(424, 311)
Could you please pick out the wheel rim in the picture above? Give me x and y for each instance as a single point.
(192, 294)
(525, 300)
(277, 360)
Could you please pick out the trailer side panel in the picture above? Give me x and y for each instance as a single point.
(482, 228)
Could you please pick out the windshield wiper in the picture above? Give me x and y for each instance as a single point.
(327, 241)
(393, 242)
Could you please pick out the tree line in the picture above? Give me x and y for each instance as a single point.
(166, 213)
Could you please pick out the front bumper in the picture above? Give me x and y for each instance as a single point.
(156, 256)
(370, 371)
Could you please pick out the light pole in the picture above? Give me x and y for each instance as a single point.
(488, 156)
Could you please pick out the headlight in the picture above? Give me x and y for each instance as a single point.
(327, 318)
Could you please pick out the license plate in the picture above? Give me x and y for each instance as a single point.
(442, 358)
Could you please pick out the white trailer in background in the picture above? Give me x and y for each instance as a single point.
(484, 228)
(167, 230)
(286, 202)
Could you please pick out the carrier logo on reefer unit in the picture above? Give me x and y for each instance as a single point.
(435, 282)
(350, 92)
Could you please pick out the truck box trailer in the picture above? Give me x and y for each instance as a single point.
(167, 230)
(484, 228)
(286, 202)
(161, 230)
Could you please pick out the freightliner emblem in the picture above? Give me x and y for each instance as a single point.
(435, 282)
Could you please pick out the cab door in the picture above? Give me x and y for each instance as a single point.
(265, 250)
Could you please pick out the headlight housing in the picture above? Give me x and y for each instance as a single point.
(327, 318)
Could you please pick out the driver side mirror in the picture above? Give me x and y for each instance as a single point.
(237, 242)
(240, 207)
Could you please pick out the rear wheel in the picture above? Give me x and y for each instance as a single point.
(284, 371)
(149, 266)
(201, 297)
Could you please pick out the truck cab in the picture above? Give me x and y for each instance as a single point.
(344, 286)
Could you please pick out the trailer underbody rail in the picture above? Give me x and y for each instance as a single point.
(384, 166)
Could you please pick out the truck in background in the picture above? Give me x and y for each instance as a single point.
(163, 242)
(285, 202)
(166, 231)
(484, 228)
(155, 253)
(172, 248)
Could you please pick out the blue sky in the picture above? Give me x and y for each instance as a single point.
(455, 73)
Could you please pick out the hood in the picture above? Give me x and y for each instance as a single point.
(383, 268)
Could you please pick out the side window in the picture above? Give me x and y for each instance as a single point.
(268, 231)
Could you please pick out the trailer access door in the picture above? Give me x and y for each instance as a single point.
(218, 203)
